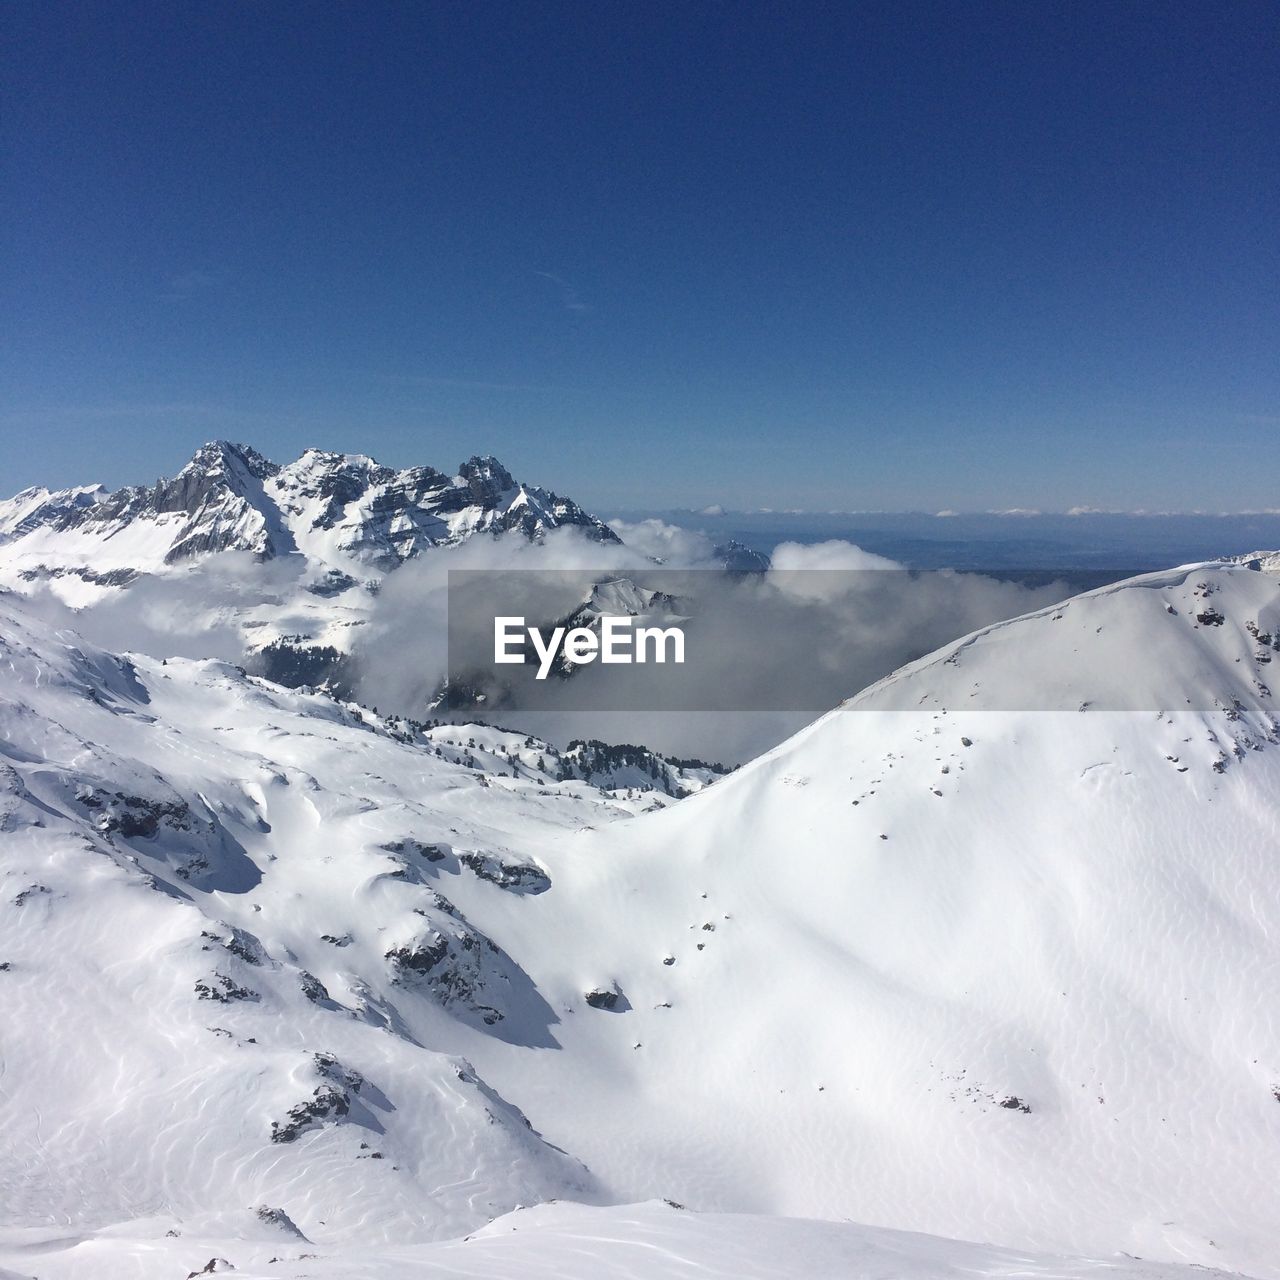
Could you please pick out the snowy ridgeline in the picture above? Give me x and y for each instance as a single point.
(624, 770)
(283, 979)
(343, 511)
(295, 554)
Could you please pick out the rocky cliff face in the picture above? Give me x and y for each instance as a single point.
(215, 503)
(37, 507)
(349, 506)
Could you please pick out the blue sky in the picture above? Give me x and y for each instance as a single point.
(825, 256)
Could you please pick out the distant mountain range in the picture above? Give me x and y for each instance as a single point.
(324, 532)
(344, 512)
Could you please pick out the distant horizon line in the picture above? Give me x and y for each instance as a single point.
(1012, 513)
(718, 511)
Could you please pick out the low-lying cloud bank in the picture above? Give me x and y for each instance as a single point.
(773, 650)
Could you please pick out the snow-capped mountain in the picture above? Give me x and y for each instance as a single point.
(738, 558)
(342, 506)
(977, 954)
(618, 597)
(284, 562)
(972, 954)
(348, 516)
(37, 507)
(474, 689)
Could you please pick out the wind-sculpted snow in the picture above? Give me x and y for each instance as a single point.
(651, 1241)
(198, 898)
(942, 962)
(1202, 637)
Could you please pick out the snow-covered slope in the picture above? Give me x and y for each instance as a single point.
(974, 955)
(562, 1241)
(994, 973)
(219, 902)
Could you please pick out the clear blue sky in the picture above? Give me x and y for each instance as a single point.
(882, 255)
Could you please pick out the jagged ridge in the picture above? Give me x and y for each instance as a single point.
(346, 511)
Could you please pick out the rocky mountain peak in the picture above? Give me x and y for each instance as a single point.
(324, 462)
(222, 458)
(487, 479)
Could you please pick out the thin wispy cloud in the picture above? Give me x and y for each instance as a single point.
(569, 296)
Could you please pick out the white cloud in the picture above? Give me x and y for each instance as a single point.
(827, 620)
